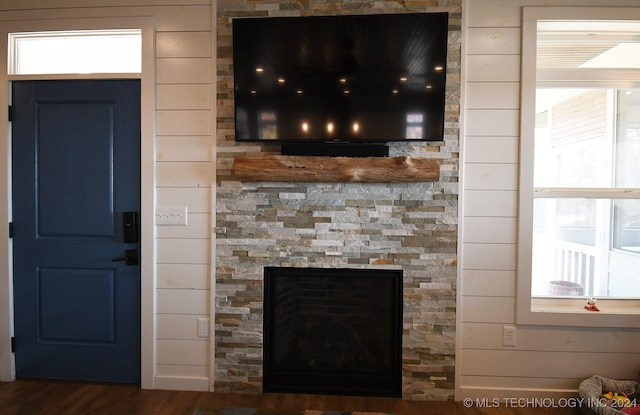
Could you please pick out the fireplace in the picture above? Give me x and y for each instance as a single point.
(333, 331)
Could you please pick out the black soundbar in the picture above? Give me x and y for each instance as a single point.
(335, 150)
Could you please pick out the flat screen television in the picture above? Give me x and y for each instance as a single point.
(340, 79)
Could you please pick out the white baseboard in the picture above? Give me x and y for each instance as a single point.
(182, 383)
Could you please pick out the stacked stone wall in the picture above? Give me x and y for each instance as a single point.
(412, 226)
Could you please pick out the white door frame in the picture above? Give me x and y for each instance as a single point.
(147, 166)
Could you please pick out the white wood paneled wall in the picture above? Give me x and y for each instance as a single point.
(184, 126)
(547, 361)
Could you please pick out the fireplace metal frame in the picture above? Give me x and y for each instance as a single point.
(388, 383)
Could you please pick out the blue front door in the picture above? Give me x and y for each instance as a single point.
(76, 198)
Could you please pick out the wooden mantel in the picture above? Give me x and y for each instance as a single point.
(274, 168)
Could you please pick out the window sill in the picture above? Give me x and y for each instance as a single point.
(571, 312)
(576, 306)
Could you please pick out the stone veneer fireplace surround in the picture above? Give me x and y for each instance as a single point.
(408, 226)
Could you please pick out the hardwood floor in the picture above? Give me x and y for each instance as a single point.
(30, 397)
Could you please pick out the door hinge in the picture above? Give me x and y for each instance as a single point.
(13, 345)
(10, 229)
(10, 113)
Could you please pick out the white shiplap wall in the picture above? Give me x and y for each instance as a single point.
(184, 177)
(183, 170)
(547, 361)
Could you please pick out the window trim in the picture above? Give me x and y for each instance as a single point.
(553, 311)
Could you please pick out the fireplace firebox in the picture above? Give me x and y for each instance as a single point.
(333, 331)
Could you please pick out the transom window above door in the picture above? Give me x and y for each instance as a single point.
(75, 52)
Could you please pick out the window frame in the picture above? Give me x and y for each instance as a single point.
(559, 311)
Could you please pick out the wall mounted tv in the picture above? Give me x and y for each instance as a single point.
(340, 79)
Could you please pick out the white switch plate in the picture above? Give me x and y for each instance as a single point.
(171, 215)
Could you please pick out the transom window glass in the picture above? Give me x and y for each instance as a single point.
(73, 52)
(588, 44)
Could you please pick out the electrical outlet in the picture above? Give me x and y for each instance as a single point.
(203, 327)
(509, 336)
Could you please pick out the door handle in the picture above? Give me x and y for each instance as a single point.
(130, 227)
(130, 257)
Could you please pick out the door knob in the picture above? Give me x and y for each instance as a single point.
(130, 257)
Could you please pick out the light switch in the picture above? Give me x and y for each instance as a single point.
(171, 215)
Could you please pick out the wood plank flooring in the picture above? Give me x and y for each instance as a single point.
(32, 397)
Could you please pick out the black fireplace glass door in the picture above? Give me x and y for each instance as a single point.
(333, 331)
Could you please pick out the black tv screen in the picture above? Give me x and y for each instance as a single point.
(349, 78)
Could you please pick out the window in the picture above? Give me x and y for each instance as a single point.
(72, 52)
(579, 190)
